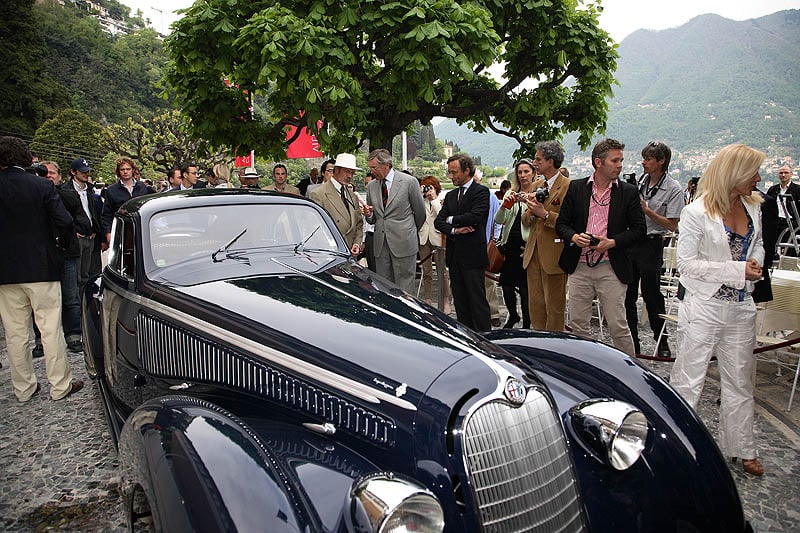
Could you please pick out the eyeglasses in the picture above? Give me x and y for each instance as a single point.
(524, 160)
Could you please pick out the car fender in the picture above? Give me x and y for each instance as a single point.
(679, 445)
(202, 469)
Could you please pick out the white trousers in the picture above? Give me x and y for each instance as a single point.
(726, 330)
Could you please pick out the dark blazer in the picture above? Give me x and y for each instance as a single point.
(72, 201)
(467, 250)
(32, 216)
(793, 190)
(626, 224)
(762, 292)
(115, 196)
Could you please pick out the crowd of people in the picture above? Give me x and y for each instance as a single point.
(566, 243)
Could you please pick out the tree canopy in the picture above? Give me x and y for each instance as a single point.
(370, 68)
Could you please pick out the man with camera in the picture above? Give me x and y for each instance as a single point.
(547, 282)
(661, 198)
(601, 218)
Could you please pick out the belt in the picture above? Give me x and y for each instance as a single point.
(655, 236)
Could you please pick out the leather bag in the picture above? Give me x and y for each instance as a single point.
(496, 258)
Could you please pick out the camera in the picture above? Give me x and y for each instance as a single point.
(593, 241)
(426, 189)
(631, 178)
(522, 197)
(38, 169)
(541, 194)
(693, 181)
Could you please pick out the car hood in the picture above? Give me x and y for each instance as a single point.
(346, 319)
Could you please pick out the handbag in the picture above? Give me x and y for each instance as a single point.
(496, 258)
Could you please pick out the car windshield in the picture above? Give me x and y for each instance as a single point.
(233, 233)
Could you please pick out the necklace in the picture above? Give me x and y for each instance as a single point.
(598, 202)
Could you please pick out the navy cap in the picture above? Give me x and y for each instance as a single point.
(80, 165)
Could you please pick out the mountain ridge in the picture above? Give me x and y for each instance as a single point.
(697, 87)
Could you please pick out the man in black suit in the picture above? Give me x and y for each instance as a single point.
(786, 186)
(32, 216)
(462, 220)
(120, 192)
(600, 218)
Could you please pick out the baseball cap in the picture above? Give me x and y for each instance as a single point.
(81, 165)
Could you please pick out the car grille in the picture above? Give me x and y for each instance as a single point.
(520, 468)
(175, 353)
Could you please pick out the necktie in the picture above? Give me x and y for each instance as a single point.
(344, 198)
(460, 195)
(384, 192)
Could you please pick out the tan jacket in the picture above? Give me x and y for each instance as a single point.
(350, 222)
(427, 233)
(543, 232)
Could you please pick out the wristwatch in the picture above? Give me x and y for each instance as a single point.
(546, 216)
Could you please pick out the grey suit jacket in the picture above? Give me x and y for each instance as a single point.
(397, 225)
(350, 222)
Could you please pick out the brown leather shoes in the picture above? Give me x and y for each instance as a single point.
(74, 387)
(753, 467)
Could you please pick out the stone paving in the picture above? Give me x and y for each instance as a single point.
(58, 468)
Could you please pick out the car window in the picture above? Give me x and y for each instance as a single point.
(184, 234)
(121, 255)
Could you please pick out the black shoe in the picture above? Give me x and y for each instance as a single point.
(513, 319)
(664, 351)
(75, 346)
(496, 322)
(74, 387)
(38, 351)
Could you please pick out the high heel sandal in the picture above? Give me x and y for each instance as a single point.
(753, 467)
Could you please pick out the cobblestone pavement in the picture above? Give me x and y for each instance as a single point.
(58, 468)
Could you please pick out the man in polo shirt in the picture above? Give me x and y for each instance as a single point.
(600, 218)
(661, 198)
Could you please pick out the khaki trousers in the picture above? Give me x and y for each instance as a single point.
(547, 296)
(588, 283)
(17, 301)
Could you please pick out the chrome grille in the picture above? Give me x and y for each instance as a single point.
(520, 469)
(172, 352)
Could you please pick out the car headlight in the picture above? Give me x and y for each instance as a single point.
(616, 432)
(384, 503)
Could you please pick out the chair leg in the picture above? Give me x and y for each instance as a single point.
(794, 385)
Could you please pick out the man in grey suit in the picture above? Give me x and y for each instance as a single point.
(396, 207)
(341, 203)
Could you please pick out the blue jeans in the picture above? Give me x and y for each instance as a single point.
(70, 301)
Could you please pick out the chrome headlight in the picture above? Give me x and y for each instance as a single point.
(616, 432)
(384, 503)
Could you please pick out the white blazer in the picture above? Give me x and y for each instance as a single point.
(704, 256)
(427, 233)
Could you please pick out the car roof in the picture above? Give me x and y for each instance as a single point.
(153, 203)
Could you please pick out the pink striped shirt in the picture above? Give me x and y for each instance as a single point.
(599, 207)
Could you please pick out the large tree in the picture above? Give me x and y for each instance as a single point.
(369, 68)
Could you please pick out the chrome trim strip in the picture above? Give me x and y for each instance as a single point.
(303, 368)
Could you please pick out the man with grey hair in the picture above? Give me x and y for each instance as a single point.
(547, 282)
(396, 207)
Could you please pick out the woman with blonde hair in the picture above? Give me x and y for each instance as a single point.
(220, 176)
(719, 259)
(512, 242)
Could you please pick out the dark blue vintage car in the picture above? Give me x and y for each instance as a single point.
(255, 378)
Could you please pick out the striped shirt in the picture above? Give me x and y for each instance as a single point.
(599, 207)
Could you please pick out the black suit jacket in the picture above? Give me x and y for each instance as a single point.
(626, 224)
(32, 216)
(467, 250)
(762, 292)
(116, 195)
(793, 190)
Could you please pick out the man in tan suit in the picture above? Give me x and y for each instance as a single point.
(341, 202)
(547, 283)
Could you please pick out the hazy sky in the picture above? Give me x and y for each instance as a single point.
(619, 18)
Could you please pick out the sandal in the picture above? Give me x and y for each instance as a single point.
(753, 467)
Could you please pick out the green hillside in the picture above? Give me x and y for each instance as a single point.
(708, 83)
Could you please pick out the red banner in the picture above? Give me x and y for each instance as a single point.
(305, 146)
(243, 161)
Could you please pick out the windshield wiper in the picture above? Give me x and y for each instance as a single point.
(299, 246)
(237, 257)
